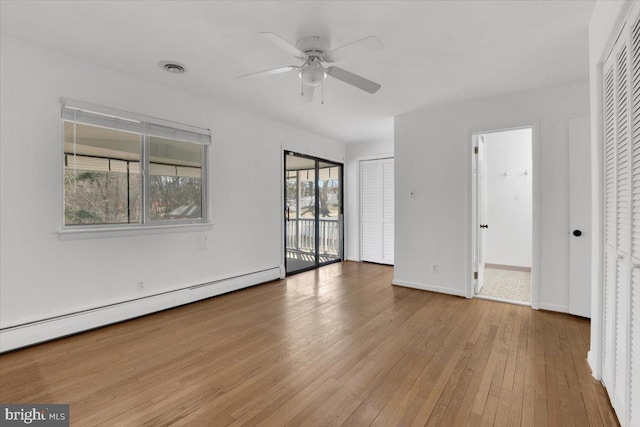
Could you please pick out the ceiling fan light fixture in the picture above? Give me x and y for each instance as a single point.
(313, 74)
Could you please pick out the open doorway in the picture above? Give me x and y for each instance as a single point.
(503, 215)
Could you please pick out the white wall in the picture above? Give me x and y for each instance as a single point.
(509, 198)
(354, 153)
(433, 155)
(42, 276)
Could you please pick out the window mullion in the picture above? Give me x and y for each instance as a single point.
(204, 179)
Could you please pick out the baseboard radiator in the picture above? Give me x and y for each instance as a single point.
(27, 334)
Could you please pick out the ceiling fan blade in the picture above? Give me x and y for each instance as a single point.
(353, 79)
(270, 72)
(284, 45)
(368, 44)
(307, 93)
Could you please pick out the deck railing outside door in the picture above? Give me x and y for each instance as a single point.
(301, 235)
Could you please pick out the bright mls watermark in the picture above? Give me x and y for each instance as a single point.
(41, 415)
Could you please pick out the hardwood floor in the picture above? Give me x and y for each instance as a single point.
(335, 346)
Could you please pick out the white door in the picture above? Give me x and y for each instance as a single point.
(633, 294)
(609, 291)
(618, 165)
(621, 287)
(579, 217)
(370, 213)
(377, 211)
(623, 228)
(481, 204)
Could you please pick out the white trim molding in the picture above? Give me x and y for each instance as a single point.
(427, 287)
(14, 337)
(554, 307)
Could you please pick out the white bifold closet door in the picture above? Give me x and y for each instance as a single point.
(376, 210)
(634, 297)
(621, 292)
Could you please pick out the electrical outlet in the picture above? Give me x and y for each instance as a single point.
(140, 285)
(434, 268)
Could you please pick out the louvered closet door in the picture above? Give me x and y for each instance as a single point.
(621, 310)
(621, 170)
(376, 210)
(623, 230)
(387, 211)
(370, 211)
(609, 227)
(634, 300)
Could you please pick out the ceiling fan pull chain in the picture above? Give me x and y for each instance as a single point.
(301, 84)
(322, 101)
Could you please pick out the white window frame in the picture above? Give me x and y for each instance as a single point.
(146, 127)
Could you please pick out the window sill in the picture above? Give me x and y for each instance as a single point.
(108, 232)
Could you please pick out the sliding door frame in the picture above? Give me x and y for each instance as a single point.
(317, 161)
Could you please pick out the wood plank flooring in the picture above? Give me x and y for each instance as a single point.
(335, 346)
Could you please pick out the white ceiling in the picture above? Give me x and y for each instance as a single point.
(435, 51)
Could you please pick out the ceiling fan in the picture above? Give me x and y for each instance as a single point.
(314, 51)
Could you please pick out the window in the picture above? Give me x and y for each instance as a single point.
(122, 169)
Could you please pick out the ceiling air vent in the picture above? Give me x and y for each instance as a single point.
(173, 67)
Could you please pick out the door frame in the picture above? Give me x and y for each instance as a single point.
(341, 221)
(478, 257)
(473, 202)
(355, 210)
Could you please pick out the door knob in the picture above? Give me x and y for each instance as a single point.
(577, 233)
(484, 225)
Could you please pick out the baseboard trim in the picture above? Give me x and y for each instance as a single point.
(19, 336)
(508, 267)
(553, 307)
(426, 287)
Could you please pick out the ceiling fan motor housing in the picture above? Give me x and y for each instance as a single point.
(312, 72)
(313, 46)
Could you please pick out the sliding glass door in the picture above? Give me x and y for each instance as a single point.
(300, 213)
(313, 212)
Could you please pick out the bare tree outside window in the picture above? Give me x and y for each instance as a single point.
(101, 175)
(175, 181)
(101, 198)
